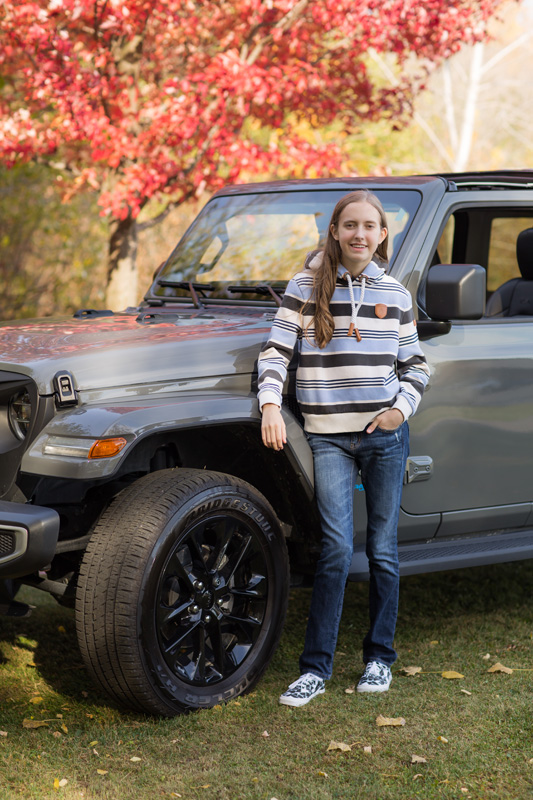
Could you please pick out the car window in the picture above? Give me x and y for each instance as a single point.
(502, 264)
(256, 238)
(484, 236)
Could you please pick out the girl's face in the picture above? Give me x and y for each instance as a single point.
(358, 233)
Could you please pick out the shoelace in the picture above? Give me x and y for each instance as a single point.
(355, 309)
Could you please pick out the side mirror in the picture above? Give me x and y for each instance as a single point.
(456, 291)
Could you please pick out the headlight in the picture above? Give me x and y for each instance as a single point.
(20, 413)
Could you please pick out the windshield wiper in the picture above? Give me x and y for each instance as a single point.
(258, 288)
(189, 286)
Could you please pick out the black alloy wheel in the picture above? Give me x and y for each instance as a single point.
(182, 592)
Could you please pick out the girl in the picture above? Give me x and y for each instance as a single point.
(361, 374)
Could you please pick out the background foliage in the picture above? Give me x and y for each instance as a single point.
(151, 104)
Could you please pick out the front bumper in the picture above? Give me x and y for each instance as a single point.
(28, 538)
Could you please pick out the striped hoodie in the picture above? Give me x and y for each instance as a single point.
(343, 386)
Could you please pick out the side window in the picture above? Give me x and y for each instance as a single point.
(502, 264)
(487, 236)
(443, 254)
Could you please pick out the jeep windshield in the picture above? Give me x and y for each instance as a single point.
(246, 247)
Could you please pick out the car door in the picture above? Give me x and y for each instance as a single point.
(475, 423)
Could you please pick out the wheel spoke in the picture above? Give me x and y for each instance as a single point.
(199, 673)
(239, 557)
(244, 621)
(229, 528)
(255, 588)
(170, 646)
(219, 652)
(176, 567)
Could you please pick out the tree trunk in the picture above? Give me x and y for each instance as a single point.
(122, 277)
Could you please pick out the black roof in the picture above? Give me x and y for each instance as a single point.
(496, 178)
(455, 180)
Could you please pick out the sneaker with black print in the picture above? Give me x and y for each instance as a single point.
(303, 690)
(377, 677)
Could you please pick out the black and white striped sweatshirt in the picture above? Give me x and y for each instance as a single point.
(372, 363)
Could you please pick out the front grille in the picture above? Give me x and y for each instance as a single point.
(7, 543)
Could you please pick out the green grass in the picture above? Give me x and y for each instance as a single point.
(448, 621)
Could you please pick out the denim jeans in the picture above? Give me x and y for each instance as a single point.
(381, 456)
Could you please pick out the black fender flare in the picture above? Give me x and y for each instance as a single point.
(136, 419)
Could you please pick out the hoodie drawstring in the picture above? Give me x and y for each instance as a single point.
(355, 309)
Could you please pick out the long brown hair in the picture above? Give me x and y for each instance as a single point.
(326, 274)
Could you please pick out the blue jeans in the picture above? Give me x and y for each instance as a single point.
(381, 456)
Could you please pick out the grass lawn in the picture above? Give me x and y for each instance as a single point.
(475, 733)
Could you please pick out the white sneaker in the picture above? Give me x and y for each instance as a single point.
(303, 690)
(377, 677)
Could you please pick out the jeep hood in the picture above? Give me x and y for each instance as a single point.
(135, 349)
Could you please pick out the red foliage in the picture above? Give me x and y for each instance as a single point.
(145, 97)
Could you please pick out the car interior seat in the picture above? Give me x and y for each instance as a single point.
(515, 297)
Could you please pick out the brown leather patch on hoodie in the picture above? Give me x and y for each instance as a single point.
(381, 310)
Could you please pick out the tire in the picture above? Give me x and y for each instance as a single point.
(182, 592)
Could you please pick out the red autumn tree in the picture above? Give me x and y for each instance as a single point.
(163, 99)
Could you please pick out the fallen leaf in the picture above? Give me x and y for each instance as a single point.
(33, 723)
(442, 739)
(530, 761)
(85, 694)
(135, 758)
(418, 760)
(451, 675)
(418, 775)
(64, 728)
(57, 734)
(338, 746)
(411, 670)
(3, 733)
(175, 794)
(93, 744)
(464, 691)
(36, 699)
(95, 752)
(349, 690)
(500, 668)
(486, 657)
(59, 716)
(102, 771)
(56, 784)
(434, 642)
(63, 782)
(367, 749)
(323, 774)
(389, 721)
(265, 734)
